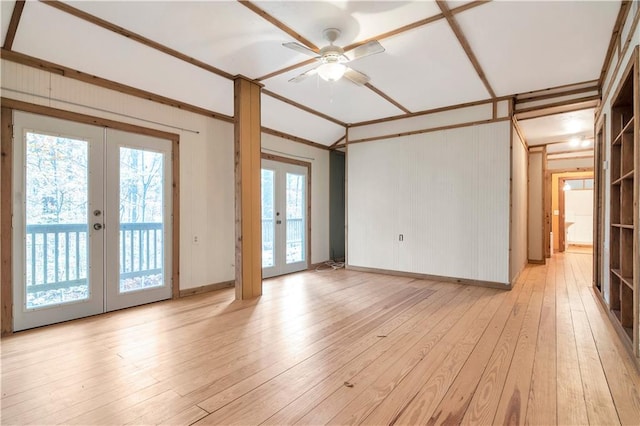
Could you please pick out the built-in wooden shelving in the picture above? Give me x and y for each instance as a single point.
(624, 211)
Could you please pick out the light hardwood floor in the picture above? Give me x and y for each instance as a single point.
(336, 347)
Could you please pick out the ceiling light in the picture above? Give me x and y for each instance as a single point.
(331, 71)
(566, 187)
(574, 141)
(585, 143)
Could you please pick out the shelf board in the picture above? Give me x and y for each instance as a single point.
(628, 175)
(627, 280)
(628, 128)
(617, 181)
(620, 225)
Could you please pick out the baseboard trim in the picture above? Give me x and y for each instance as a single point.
(466, 281)
(536, 261)
(206, 288)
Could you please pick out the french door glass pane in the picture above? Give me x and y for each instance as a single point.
(268, 223)
(56, 220)
(141, 243)
(295, 205)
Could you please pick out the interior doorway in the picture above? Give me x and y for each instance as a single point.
(337, 169)
(572, 204)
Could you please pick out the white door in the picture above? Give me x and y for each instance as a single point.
(66, 220)
(138, 224)
(284, 218)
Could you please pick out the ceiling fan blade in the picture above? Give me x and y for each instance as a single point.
(300, 48)
(367, 49)
(304, 75)
(356, 76)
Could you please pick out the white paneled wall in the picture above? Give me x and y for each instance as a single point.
(446, 192)
(519, 206)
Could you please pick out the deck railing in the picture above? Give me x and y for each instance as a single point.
(295, 230)
(56, 254)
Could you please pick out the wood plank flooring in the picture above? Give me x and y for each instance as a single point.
(336, 347)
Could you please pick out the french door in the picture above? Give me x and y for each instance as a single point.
(284, 217)
(91, 220)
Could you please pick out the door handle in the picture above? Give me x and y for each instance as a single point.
(97, 226)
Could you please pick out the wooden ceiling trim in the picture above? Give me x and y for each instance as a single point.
(136, 37)
(287, 69)
(386, 97)
(547, 111)
(382, 36)
(557, 142)
(428, 111)
(625, 7)
(621, 56)
(557, 94)
(432, 129)
(417, 24)
(86, 119)
(526, 96)
(571, 151)
(550, 157)
(293, 138)
(303, 107)
(23, 59)
(559, 104)
(453, 23)
(279, 24)
(545, 103)
(13, 24)
(336, 143)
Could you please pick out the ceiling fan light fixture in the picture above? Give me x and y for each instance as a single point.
(331, 71)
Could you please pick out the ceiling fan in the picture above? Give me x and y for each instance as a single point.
(332, 59)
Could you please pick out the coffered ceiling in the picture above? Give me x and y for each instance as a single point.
(436, 54)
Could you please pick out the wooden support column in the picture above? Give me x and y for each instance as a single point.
(247, 193)
(6, 237)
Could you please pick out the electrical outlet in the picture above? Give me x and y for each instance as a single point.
(196, 240)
